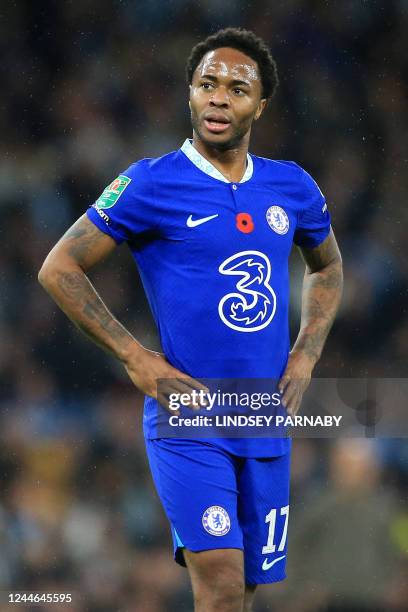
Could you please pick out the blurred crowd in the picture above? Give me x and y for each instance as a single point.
(88, 88)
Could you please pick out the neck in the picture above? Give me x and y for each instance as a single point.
(230, 162)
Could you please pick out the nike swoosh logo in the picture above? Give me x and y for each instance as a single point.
(266, 565)
(194, 222)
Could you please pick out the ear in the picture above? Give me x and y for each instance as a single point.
(261, 107)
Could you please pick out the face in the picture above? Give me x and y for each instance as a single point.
(225, 97)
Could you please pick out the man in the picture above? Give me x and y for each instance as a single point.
(211, 229)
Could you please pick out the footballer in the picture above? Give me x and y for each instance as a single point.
(211, 227)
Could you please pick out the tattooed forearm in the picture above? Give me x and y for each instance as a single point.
(63, 275)
(322, 289)
(77, 297)
(320, 300)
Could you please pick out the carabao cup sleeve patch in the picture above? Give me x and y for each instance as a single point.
(124, 209)
(112, 192)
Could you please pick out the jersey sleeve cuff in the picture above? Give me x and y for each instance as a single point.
(93, 216)
(313, 241)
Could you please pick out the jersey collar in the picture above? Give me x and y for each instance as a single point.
(205, 166)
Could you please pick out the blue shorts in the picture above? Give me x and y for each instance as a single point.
(217, 500)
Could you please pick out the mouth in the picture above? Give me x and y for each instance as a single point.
(216, 123)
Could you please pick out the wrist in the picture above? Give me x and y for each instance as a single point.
(131, 352)
(306, 354)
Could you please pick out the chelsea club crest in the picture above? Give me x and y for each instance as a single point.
(216, 521)
(277, 219)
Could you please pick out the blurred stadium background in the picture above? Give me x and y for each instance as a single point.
(90, 86)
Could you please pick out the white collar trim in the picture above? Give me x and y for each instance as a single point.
(205, 166)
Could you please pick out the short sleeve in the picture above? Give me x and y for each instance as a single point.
(313, 225)
(124, 209)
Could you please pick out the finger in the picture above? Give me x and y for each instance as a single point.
(164, 387)
(192, 382)
(185, 395)
(178, 388)
(293, 405)
(298, 401)
(188, 396)
(287, 391)
(164, 401)
(187, 385)
(289, 394)
(283, 383)
(174, 386)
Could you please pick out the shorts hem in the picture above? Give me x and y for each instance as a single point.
(179, 555)
(250, 582)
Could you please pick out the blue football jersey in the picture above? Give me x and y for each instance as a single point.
(213, 258)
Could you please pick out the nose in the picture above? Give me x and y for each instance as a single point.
(220, 97)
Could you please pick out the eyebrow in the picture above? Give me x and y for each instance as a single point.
(211, 77)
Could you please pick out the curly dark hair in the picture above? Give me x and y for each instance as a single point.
(246, 42)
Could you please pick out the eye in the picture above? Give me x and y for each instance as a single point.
(206, 85)
(238, 92)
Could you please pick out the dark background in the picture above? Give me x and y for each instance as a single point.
(87, 88)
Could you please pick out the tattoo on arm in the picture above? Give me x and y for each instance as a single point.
(322, 289)
(81, 239)
(322, 255)
(81, 302)
(64, 277)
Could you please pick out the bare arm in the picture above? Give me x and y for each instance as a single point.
(321, 294)
(322, 289)
(63, 276)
